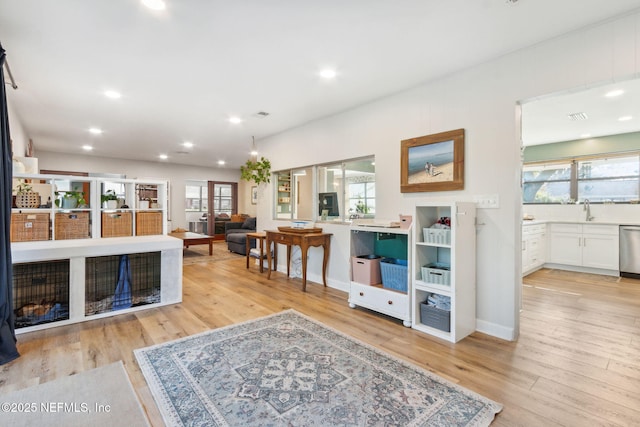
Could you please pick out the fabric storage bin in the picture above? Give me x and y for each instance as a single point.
(394, 274)
(73, 225)
(436, 273)
(435, 317)
(117, 224)
(27, 227)
(150, 223)
(438, 236)
(365, 269)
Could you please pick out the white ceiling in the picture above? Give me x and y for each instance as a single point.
(184, 71)
(546, 120)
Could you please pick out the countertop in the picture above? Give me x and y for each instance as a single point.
(566, 221)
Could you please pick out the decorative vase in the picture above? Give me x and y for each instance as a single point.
(111, 204)
(28, 200)
(143, 204)
(69, 203)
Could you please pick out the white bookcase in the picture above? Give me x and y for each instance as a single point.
(394, 303)
(444, 264)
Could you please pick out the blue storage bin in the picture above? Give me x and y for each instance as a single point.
(394, 274)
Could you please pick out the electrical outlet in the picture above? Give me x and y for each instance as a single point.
(487, 201)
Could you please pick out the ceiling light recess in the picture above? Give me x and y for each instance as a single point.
(235, 120)
(187, 144)
(155, 4)
(328, 73)
(112, 94)
(614, 93)
(95, 131)
(163, 156)
(625, 118)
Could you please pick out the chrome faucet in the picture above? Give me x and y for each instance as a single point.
(587, 208)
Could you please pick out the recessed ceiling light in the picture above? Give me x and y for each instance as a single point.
(585, 135)
(235, 120)
(95, 131)
(112, 94)
(87, 147)
(625, 118)
(155, 4)
(328, 74)
(221, 162)
(614, 93)
(187, 144)
(254, 152)
(163, 156)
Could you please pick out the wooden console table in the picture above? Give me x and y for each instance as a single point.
(188, 238)
(304, 240)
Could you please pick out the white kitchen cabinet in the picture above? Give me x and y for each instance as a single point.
(444, 265)
(386, 242)
(584, 245)
(534, 247)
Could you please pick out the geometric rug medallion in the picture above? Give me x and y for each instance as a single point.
(290, 370)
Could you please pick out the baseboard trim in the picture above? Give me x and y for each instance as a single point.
(495, 330)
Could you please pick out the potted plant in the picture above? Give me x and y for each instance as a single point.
(109, 200)
(70, 199)
(258, 171)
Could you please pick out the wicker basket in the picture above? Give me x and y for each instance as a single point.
(28, 200)
(27, 227)
(73, 225)
(117, 224)
(148, 223)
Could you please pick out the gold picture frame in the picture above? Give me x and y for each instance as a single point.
(432, 162)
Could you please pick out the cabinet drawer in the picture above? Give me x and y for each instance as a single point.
(379, 299)
(529, 230)
(608, 229)
(566, 228)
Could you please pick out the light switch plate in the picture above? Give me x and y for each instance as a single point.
(487, 201)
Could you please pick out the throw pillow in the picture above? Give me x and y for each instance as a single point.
(249, 224)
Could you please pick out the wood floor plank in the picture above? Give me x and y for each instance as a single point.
(576, 362)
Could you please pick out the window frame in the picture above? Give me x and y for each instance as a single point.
(575, 180)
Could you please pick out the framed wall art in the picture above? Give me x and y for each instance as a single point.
(254, 195)
(432, 162)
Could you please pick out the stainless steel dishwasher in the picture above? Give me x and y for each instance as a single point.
(630, 251)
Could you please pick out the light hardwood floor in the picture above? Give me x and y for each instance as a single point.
(576, 363)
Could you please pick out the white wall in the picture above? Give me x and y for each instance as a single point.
(176, 174)
(18, 136)
(482, 100)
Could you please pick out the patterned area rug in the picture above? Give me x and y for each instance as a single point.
(289, 370)
(200, 253)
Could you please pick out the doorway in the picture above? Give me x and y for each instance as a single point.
(221, 204)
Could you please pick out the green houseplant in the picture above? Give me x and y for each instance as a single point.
(256, 171)
(70, 199)
(109, 199)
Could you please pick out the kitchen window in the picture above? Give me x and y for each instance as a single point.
(611, 179)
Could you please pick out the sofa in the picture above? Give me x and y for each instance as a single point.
(236, 235)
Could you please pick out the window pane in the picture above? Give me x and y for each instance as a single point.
(546, 192)
(546, 183)
(543, 173)
(608, 168)
(609, 190)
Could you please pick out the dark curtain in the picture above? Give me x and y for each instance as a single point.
(8, 349)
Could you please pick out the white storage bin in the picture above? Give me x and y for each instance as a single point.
(438, 236)
(438, 274)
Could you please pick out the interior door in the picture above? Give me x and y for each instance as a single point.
(222, 199)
